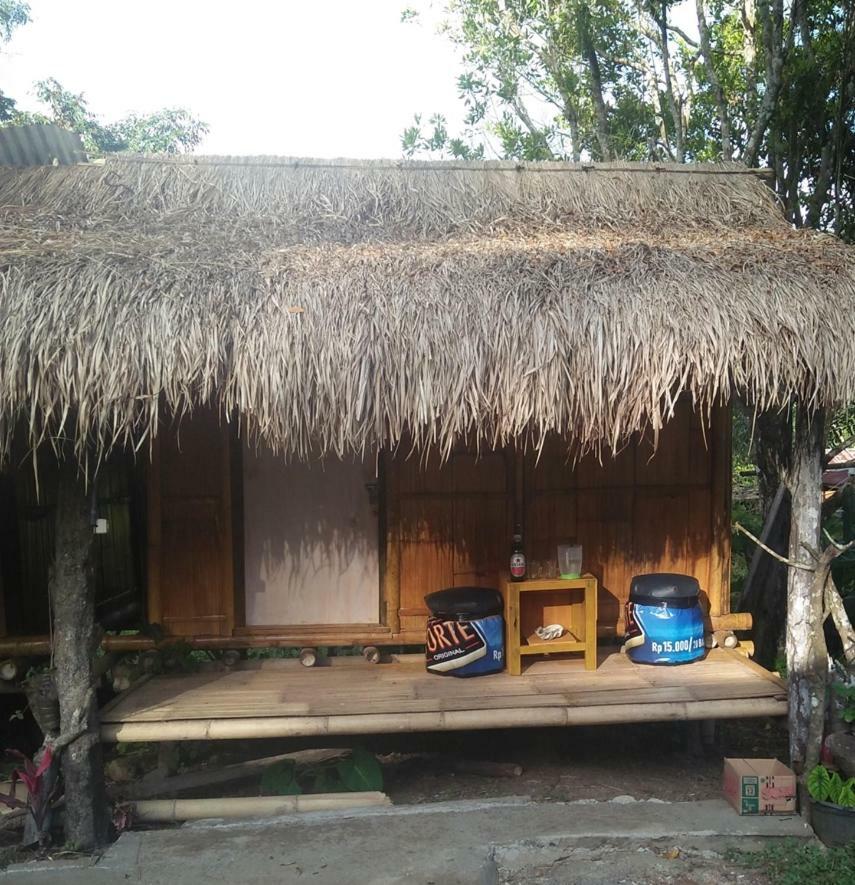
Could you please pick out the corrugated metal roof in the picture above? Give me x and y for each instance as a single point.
(40, 145)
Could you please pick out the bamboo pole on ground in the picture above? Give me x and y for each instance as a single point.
(171, 810)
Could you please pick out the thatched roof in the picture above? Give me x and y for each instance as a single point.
(341, 304)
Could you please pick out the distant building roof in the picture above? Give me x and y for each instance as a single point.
(38, 144)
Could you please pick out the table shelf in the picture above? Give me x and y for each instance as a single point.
(535, 646)
(530, 604)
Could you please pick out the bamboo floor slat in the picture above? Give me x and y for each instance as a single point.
(401, 696)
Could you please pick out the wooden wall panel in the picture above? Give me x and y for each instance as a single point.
(668, 463)
(453, 525)
(605, 533)
(480, 540)
(549, 519)
(427, 555)
(191, 578)
(639, 511)
(659, 523)
(636, 512)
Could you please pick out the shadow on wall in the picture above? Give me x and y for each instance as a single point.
(635, 513)
(311, 541)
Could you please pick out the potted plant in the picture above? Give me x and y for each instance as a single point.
(832, 812)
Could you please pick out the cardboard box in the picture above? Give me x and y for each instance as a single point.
(760, 786)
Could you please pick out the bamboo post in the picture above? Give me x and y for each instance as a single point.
(308, 657)
(12, 669)
(171, 810)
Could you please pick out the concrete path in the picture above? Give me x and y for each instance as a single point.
(491, 842)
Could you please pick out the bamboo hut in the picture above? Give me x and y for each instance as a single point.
(312, 392)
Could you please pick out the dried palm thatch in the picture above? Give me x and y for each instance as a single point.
(339, 305)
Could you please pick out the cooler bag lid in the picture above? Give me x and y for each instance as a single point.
(465, 602)
(664, 587)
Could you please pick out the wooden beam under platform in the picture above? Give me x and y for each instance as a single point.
(278, 698)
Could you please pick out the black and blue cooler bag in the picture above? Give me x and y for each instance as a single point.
(465, 632)
(664, 622)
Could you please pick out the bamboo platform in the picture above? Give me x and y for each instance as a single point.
(279, 698)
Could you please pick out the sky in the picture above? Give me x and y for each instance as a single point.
(294, 77)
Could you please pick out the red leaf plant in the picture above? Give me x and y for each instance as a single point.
(32, 775)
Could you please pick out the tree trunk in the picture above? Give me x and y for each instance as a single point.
(806, 656)
(589, 53)
(75, 644)
(768, 602)
(766, 596)
(771, 15)
(715, 84)
(676, 113)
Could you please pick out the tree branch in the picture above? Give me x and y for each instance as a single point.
(835, 607)
(773, 553)
(834, 451)
(683, 35)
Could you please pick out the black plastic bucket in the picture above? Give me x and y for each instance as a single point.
(833, 824)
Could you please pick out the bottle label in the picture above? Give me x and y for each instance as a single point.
(517, 565)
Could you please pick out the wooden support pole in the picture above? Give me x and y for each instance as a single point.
(72, 593)
(805, 642)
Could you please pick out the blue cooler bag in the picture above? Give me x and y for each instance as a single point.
(664, 622)
(465, 632)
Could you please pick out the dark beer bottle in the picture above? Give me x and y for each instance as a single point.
(518, 568)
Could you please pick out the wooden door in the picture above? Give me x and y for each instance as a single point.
(190, 572)
(311, 541)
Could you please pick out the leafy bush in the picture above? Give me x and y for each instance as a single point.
(827, 786)
(359, 772)
(846, 693)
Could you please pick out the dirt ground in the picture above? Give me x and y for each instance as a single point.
(645, 761)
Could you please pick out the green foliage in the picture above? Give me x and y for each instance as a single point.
(434, 139)
(168, 131)
(792, 862)
(13, 14)
(181, 657)
(841, 426)
(280, 779)
(827, 786)
(846, 693)
(360, 772)
(357, 773)
(747, 513)
(619, 79)
(263, 654)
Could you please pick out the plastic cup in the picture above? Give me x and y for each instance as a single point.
(569, 560)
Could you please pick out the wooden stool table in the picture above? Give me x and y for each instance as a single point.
(531, 604)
